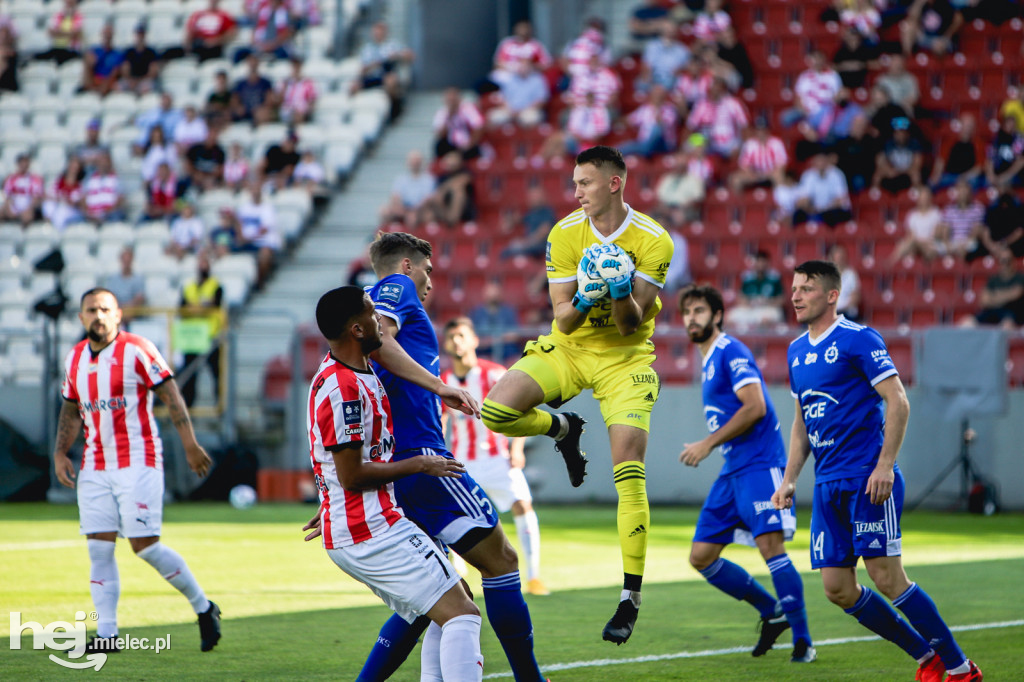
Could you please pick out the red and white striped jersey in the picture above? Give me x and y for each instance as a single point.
(298, 95)
(470, 438)
(603, 84)
(460, 126)
(708, 26)
(763, 157)
(815, 89)
(721, 121)
(512, 50)
(350, 406)
(646, 116)
(22, 189)
(691, 89)
(588, 123)
(102, 193)
(112, 389)
(579, 51)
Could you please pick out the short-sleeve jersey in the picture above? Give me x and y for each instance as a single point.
(112, 390)
(472, 440)
(833, 377)
(419, 411)
(728, 367)
(348, 406)
(640, 236)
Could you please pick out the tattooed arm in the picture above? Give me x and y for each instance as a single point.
(198, 460)
(69, 424)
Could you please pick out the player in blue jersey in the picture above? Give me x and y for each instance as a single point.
(455, 512)
(851, 412)
(742, 421)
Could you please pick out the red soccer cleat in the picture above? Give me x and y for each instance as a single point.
(972, 675)
(931, 670)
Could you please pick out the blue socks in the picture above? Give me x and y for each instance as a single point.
(737, 583)
(394, 643)
(920, 610)
(790, 588)
(876, 615)
(510, 620)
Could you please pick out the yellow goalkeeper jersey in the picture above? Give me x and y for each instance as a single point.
(646, 242)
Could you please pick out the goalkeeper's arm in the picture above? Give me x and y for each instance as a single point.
(568, 317)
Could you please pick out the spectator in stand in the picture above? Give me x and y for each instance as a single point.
(90, 150)
(596, 79)
(360, 272)
(65, 31)
(190, 130)
(297, 94)
(279, 162)
(899, 85)
(1002, 299)
(257, 231)
(646, 20)
(536, 225)
(881, 112)
(236, 167)
(164, 115)
(815, 90)
(411, 193)
(678, 274)
(141, 66)
(845, 112)
(898, 164)
(516, 48)
(101, 65)
(664, 55)
(496, 324)
(272, 32)
(930, 25)
(458, 127)
(963, 221)
(1013, 107)
(309, 175)
(1004, 226)
(8, 55)
(453, 200)
(161, 194)
(204, 162)
(761, 299)
(693, 84)
(962, 157)
(824, 196)
(681, 190)
(1005, 159)
(379, 60)
(252, 99)
(64, 202)
(656, 122)
(202, 298)
(924, 234)
(711, 22)
(102, 188)
(849, 292)
(721, 118)
(854, 58)
(158, 151)
(223, 235)
(732, 52)
(187, 231)
(862, 17)
(762, 159)
(856, 155)
(576, 57)
(585, 124)
(23, 193)
(523, 95)
(219, 109)
(785, 197)
(208, 30)
(128, 286)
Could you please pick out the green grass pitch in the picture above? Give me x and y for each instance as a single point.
(289, 613)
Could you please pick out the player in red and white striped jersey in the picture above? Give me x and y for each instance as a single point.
(364, 530)
(488, 457)
(107, 390)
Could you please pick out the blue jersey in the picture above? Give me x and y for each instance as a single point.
(417, 411)
(833, 378)
(728, 367)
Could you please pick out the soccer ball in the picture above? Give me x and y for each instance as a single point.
(242, 496)
(590, 283)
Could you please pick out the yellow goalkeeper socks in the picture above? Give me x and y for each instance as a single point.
(634, 515)
(509, 422)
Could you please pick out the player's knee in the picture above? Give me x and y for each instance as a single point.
(842, 595)
(700, 559)
(497, 417)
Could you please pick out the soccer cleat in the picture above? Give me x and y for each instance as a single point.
(569, 447)
(972, 675)
(620, 627)
(770, 629)
(536, 586)
(209, 628)
(932, 670)
(102, 645)
(803, 652)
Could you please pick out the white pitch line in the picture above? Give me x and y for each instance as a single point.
(739, 650)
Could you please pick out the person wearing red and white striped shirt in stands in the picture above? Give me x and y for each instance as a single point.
(762, 159)
(109, 382)
(24, 193)
(458, 126)
(298, 95)
(597, 80)
(656, 121)
(815, 91)
(103, 200)
(578, 54)
(721, 118)
(490, 458)
(365, 532)
(692, 85)
(519, 47)
(711, 21)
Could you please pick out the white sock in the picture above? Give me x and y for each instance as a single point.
(175, 571)
(960, 669)
(105, 586)
(430, 655)
(630, 595)
(528, 530)
(461, 660)
(563, 426)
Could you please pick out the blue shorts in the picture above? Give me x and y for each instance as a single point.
(739, 508)
(845, 525)
(453, 510)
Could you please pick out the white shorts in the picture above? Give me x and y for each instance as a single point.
(403, 567)
(502, 483)
(129, 501)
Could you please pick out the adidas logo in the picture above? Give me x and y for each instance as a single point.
(638, 530)
(649, 397)
(875, 544)
(774, 519)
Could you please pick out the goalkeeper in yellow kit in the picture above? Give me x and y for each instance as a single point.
(605, 264)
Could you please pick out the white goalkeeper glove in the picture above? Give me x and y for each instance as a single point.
(591, 288)
(615, 267)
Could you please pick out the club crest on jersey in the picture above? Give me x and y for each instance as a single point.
(390, 292)
(352, 412)
(710, 372)
(832, 354)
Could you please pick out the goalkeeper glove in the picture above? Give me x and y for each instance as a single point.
(590, 286)
(615, 267)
